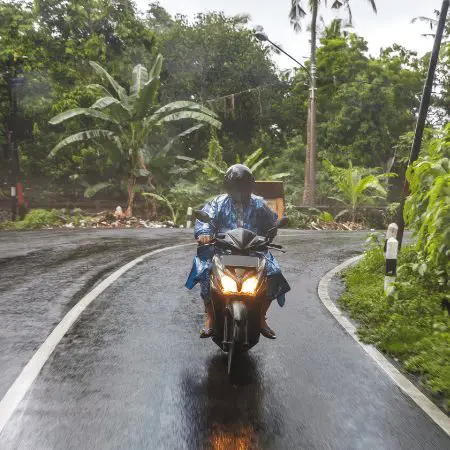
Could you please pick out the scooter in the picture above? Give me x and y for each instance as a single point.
(238, 287)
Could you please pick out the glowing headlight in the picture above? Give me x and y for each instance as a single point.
(228, 284)
(249, 286)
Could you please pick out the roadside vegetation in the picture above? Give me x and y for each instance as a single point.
(149, 109)
(413, 324)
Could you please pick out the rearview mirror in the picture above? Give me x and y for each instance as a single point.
(202, 216)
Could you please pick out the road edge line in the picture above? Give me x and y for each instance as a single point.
(396, 376)
(21, 385)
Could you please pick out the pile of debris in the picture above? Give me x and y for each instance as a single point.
(118, 219)
(337, 226)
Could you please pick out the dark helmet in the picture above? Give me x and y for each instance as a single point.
(238, 182)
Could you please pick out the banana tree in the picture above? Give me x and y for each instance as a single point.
(130, 119)
(255, 162)
(355, 189)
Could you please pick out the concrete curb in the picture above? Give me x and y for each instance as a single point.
(400, 380)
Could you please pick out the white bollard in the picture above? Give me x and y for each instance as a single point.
(391, 232)
(189, 218)
(391, 265)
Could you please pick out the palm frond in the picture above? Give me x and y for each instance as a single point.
(296, 14)
(146, 97)
(191, 130)
(218, 169)
(99, 87)
(104, 102)
(182, 105)
(257, 165)
(253, 158)
(155, 71)
(80, 112)
(192, 115)
(91, 190)
(374, 6)
(104, 73)
(138, 79)
(86, 135)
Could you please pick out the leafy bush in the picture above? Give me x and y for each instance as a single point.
(296, 218)
(390, 214)
(35, 220)
(356, 187)
(427, 210)
(410, 325)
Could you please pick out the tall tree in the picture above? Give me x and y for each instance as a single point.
(215, 60)
(296, 14)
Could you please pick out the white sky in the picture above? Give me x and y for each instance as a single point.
(391, 25)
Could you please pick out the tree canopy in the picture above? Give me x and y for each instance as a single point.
(366, 105)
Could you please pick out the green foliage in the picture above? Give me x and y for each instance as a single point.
(296, 218)
(214, 166)
(35, 220)
(59, 39)
(135, 117)
(353, 188)
(325, 216)
(391, 214)
(411, 325)
(366, 104)
(427, 209)
(166, 202)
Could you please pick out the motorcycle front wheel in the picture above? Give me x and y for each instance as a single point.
(235, 350)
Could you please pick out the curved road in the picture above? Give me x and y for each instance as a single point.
(133, 374)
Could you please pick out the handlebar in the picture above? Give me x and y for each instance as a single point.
(267, 245)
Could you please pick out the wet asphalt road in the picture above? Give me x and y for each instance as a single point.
(132, 373)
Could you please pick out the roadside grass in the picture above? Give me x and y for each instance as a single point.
(411, 325)
(37, 219)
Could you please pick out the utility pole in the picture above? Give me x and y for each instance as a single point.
(311, 134)
(423, 110)
(309, 192)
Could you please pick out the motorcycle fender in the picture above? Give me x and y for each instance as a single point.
(239, 311)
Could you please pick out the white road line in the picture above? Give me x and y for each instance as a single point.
(402, 382)
(23, 382)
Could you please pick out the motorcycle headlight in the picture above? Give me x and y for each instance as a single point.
(228, 284)
(249, 285)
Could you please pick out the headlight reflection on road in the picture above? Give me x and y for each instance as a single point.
(242, 438)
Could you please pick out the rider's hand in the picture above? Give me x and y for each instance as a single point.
(204, 239)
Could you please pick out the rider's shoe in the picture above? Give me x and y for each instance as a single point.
(208, 330)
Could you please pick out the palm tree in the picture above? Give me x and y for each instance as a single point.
(132, 119)
(354, 189)
(296, 14)
(433, 23)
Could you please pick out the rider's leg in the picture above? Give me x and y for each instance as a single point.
(266, 331)
(209, 317)
(206, 296)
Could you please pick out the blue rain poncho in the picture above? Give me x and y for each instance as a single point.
(257, 217)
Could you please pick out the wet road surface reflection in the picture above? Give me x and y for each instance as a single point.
(133, 374)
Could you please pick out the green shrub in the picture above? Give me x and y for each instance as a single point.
(35, 220)
(427, 210)
(296, 218)
(410, 325)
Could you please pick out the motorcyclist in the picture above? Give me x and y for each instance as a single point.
(237, 208)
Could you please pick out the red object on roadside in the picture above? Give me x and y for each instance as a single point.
(20, 196)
